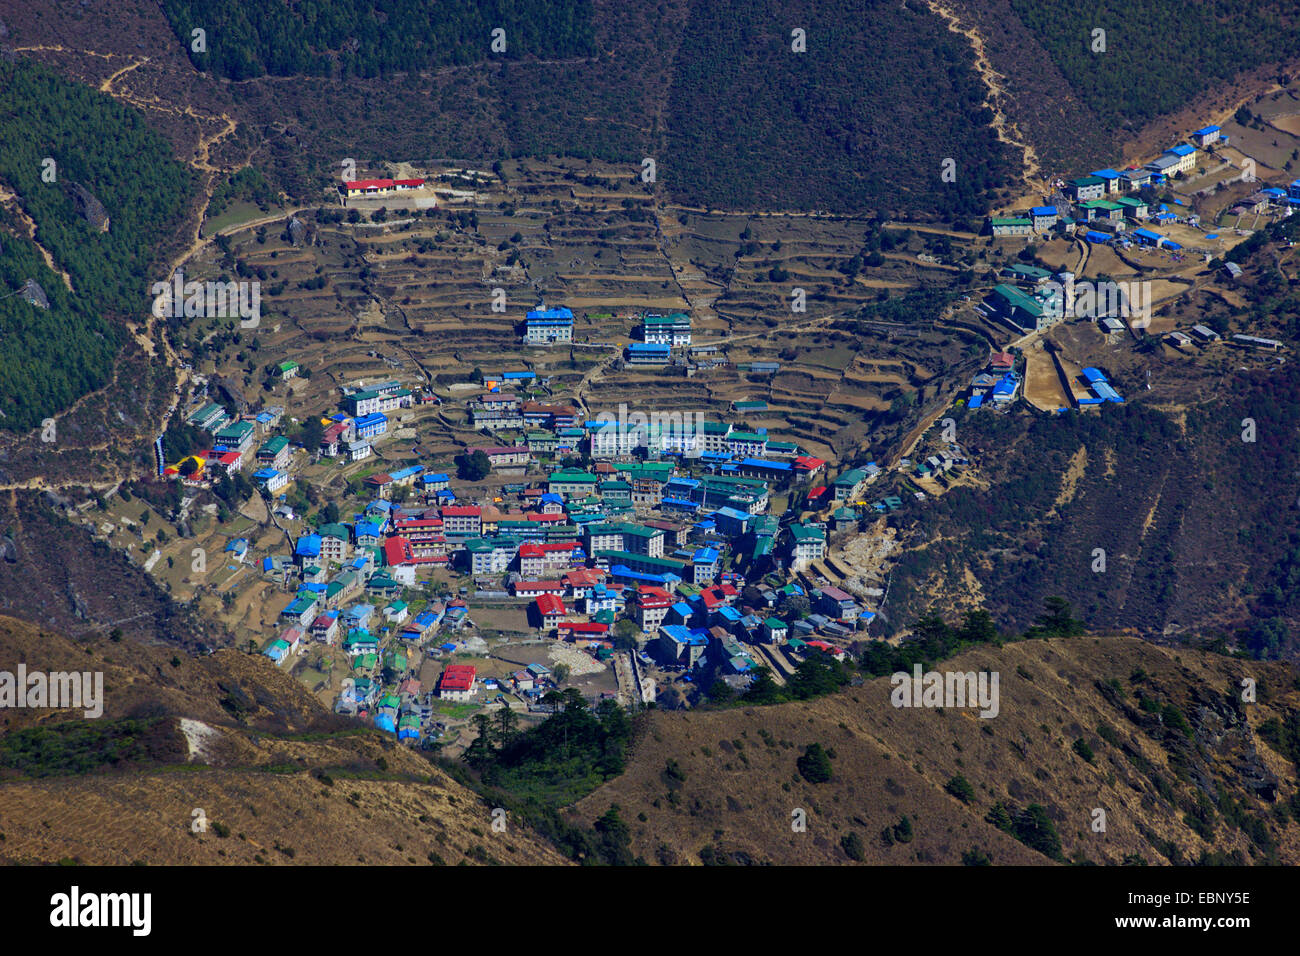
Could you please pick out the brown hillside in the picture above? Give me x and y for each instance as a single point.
(282, 779)
(741, 785)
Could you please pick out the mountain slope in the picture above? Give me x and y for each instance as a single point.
(278, 780)
(735, 783)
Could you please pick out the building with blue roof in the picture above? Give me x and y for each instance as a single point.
(732, 522)
(680, 484)
(1176, 159)
(678, 504)
(308, 546)
(1110, 177)
(1206, 135)
(647, 353)
(729, 616)
(622, 574)
(1044, 217)
(278, 651)
(543, 313)
(1005, 390)
(680, 613)
(543, 326)
(1106, 393)
(270, 479)
(762, 468)
(682, 646)
(705, 565)
(368, 426)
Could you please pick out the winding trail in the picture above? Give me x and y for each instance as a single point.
(150, 333)
(1006, 129)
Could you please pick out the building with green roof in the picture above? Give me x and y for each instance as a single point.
(1011, 226)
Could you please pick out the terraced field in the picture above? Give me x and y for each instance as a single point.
(416, 295)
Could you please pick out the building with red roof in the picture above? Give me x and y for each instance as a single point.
(457, 682)
(545, 517)
(550, 611)
(398, 552)
(463, 520)
(536, 560)
(581, 581)
(378, 187)
(535, 588)
(587, 630)
(652, 604)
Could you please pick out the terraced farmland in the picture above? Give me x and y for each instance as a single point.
(428, 295)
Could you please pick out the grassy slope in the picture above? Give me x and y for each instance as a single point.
(890, 762)
(260, 777)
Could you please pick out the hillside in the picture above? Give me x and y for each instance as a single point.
(720, 786)
(1197, 526)
(53, 574)
(279, 780)
(753, 123)
(1081, 97)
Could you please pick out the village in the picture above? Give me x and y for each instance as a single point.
(1111, 210)
(650, 552)
(637, 557)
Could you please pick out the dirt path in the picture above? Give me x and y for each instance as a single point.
(30, 225)
(1006, 130)
(107, 85)
(150, 332)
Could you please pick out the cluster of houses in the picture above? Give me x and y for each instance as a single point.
(1110, 205)
(659, 333)
(997, 383)
(1204, 336)
(238, 442)
(662, 527)
(580, 549)
(708, 632)
(248, 440)
(552, 430)
(1031, 298)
